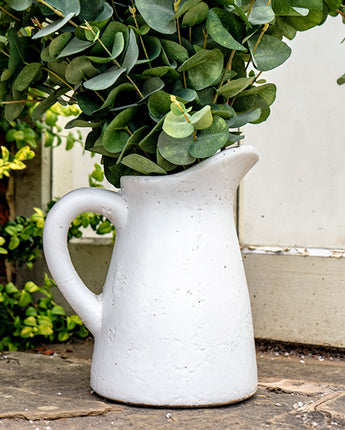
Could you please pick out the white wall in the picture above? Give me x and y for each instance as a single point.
(295, 196)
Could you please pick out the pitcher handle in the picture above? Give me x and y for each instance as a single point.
(111, 204)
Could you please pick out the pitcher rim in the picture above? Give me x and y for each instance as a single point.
(228, 153)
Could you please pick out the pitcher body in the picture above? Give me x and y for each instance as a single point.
(174, 325)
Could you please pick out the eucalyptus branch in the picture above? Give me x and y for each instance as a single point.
(114, 61)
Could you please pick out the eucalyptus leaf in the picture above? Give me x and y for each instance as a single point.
(102, 19)
(149, 142)
(118, 45)
(195, 15)
(105, 79)
(158, 14)
(115, 141)
(114, 137)
(158, 105)
(114, 172)
(163, 163)
(56, 72)
(57, 44)
(223, 110)
(202, 119)
(26, 76)
(286, 29)
(132, 52)
(55, 26)
(153, 49)
(93, 141)
(66, 6)
(314, 17)
(341, 80)
(13, 110)
(151, 85)
(208, 144)
(43, 106)
(74, 47)
(161, 71)
(88, 102)
(80, 68)
(210, 140)
(90, 10)
(270, 52)
(174, 150)
(121, 120)
(108, 36)
(245, 117)
(220, 34)
(142, 164)
(175, 51)
(19, 5)
(203, 68)
(133, 142)
(177, 126)
(261, 15)
(122, 91)
(185, 6)
(234, 87)
(257, 97)
(185, 94)
(16, 52)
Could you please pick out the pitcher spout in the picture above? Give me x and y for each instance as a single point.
(225, 170)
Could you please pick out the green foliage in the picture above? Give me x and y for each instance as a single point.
(21, 239)
(15, 162)
(30, 316)
(124, 62)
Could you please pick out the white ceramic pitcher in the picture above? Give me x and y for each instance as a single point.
(173, 325)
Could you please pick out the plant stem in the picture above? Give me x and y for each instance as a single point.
(133, 11)
(8, 13)
(205, 38)
(56, 11)
(250, 8)
(227, 69)
(114, 8)
(114, 61)
(341, 13)
(263, 31)
(13, 102)
(176, 103)
(176, 5)
(57, 76)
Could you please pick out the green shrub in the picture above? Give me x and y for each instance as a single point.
(30, 316)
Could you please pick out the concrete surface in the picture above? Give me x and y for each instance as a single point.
(49, 390)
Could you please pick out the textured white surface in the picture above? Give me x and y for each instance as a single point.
(174, 325)
(295, 195)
